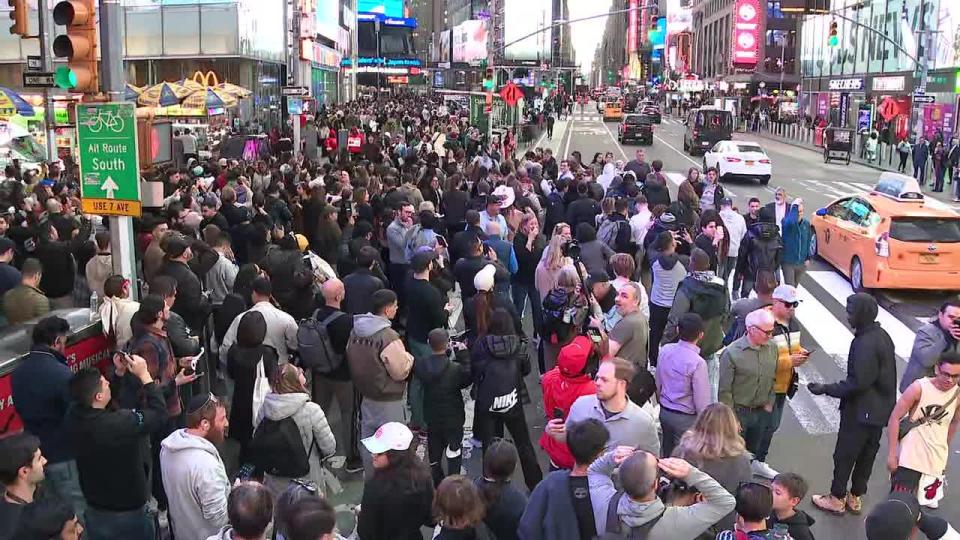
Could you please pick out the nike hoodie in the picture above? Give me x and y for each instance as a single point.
(196, 484)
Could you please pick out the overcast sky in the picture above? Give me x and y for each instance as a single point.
(587, 34)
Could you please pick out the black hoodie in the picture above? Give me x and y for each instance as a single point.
(870, 390)
(762, 249)
(442, 381)
(798, 525)
(498, 365)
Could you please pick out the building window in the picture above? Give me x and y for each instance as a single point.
(773, 9)
(181, 30)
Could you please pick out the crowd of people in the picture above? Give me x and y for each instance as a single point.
(389, 281)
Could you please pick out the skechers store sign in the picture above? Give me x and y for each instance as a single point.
(406, 22)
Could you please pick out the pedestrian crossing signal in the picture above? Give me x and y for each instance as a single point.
(833, 39)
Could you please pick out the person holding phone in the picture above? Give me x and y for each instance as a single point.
(561, 386)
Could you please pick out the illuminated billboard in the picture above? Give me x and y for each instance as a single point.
(632, 22)
(679, 17)
(390, 8)
(470, 41)
(524, 17)
(746, 34)
(327, 18)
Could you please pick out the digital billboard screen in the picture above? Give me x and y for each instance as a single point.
(390, 8)
(327, 18)
(470, 41)
(523, 17)
(746, 34)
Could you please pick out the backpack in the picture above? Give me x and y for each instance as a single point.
(314, 345)
(614, 529)
(609, 231)
(764, 255)
(554, 311)
(736, 330)
(554, 211)
(276, 449)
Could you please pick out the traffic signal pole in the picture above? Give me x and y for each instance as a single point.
(45, 30)
(112, 83)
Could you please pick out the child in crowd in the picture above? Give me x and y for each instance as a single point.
(788, 490)
(443, 378)
(754, 504)
(459, 510)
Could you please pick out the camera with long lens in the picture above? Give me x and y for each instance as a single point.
(571, 248)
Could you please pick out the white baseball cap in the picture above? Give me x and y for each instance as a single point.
(484, 279)
(390, 436)
(786, 293)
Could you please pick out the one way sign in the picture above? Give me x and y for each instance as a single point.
(300, 91)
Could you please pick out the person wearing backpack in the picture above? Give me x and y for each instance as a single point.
(594, 254)
(242, 360)
(292, 436)
(761, 249)
(615, 230)
(636, 512)
(331, 373)
(754, 504)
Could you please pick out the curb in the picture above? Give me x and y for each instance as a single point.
(815, 149)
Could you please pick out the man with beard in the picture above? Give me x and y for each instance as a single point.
(193, 474)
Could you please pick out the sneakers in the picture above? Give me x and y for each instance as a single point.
(829, 503)
(854, 504)
(760, 468)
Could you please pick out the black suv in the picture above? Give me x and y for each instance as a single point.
(636, 127)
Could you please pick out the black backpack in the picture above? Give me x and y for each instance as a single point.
(276, 449)
(614, 530)
(314, 345)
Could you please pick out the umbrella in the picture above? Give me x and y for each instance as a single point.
(210, 98)
(190, 84)
(163, 95)
(235, 90)
(11, 103)
(131, 91)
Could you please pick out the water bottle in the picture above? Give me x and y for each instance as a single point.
(94, 306)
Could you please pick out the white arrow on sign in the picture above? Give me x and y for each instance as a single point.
(109, 186)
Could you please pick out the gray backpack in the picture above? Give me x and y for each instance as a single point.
(615, 531)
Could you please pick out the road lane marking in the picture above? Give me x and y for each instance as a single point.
(615, 142)
(839, 288)
(670, 146)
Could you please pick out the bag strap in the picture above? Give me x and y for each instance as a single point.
(330, 318)
(613, 521)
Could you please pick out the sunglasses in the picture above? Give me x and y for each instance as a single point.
(789, 304)
(768, 333)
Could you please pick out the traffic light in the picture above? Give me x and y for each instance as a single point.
(833, 39)
(489, 83)
(18, 15)
(78, 46)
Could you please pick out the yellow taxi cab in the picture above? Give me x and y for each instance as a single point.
(612, 110)
(890, 238)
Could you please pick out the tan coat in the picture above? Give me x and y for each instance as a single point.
(23, 303)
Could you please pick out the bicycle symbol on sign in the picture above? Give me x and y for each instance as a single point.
(105, 120)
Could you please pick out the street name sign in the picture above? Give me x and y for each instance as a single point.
(33, 79)
(922, 98)
(109, 161)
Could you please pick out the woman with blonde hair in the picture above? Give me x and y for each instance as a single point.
(714, 446)
(553, 260)
(289, 398)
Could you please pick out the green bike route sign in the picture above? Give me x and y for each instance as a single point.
(109, 161)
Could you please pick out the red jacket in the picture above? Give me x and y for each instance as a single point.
(561, 387)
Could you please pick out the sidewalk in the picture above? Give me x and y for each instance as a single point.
(887, 158)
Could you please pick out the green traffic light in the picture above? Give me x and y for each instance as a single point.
(833, 41)
(65, 78)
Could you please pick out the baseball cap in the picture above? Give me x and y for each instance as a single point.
(46, 182)
(786, 293)
(176, 246)
(302, 242)
(6, 245)
(600, 276)
(667, 218)
(421, 260)
(390, 436)
(895, 518)
(483, 281)
(222, 162)
(726, 201)
(573, 356)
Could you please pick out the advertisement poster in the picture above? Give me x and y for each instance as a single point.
(470, 41)
(390, 8)
(844, 106)
(746, 34)
(938, 117)
(823, 104)
(864, 117)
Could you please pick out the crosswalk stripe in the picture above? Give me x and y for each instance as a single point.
(839, 288)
